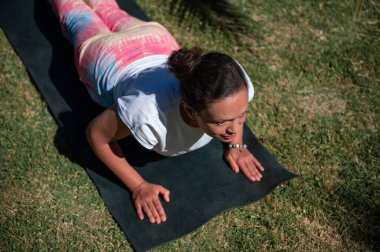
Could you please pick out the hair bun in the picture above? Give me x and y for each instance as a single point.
(183, 62)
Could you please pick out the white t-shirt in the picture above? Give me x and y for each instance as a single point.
(147, 98)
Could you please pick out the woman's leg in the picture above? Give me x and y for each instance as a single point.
(78, 21)
(101, 59)
(86, 32)
(113, 17)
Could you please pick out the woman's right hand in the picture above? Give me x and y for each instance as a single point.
(147, 200)
(102, 134)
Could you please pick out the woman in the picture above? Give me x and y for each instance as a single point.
(170, 100)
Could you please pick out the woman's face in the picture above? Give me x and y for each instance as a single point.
(223, 119)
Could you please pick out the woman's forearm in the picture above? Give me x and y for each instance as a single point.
(112, 156)
(102, 134)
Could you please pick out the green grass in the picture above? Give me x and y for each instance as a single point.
(316, 108)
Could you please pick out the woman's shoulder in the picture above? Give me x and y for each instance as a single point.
(148, 94)
(152, 87)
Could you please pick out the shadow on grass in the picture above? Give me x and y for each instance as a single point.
(359, 195)
(65, 147)
(220, 15)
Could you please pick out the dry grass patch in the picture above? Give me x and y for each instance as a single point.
(284, 37)
(271, 95)
(95, 217)
(369, 122)
(62, 230)
(11, 198)
(319, 233)
(323, 237)
(320, 105)
(218, 227)
(365, 71)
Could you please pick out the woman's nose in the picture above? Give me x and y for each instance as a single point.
(232, 129)
(234, 126)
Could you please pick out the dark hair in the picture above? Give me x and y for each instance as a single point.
(205, 77)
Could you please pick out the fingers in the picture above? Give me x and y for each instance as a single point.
(155, 216)
(165, 193)
(250, 171)
(258, 164)
(255, 172)
(147, 212)
(151, 212)
(160, 210)
(139, 210)
(232, 163)
(247, 163)
(158, 206)
(147, 202)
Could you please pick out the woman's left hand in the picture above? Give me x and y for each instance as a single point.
(243, 160)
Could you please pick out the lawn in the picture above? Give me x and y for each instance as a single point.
(315, 67)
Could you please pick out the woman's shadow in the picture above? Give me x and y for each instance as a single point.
(70, 139)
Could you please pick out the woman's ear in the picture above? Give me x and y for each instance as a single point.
(189, 115)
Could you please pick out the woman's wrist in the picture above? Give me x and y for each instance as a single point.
(237, 146)
(136, 185)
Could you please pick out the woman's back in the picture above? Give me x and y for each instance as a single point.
(148, 102)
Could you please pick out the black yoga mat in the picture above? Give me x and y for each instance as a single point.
(201, 183)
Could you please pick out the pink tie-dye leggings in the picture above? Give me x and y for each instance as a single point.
(106, 40)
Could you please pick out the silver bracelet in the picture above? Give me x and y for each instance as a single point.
(237, 146)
